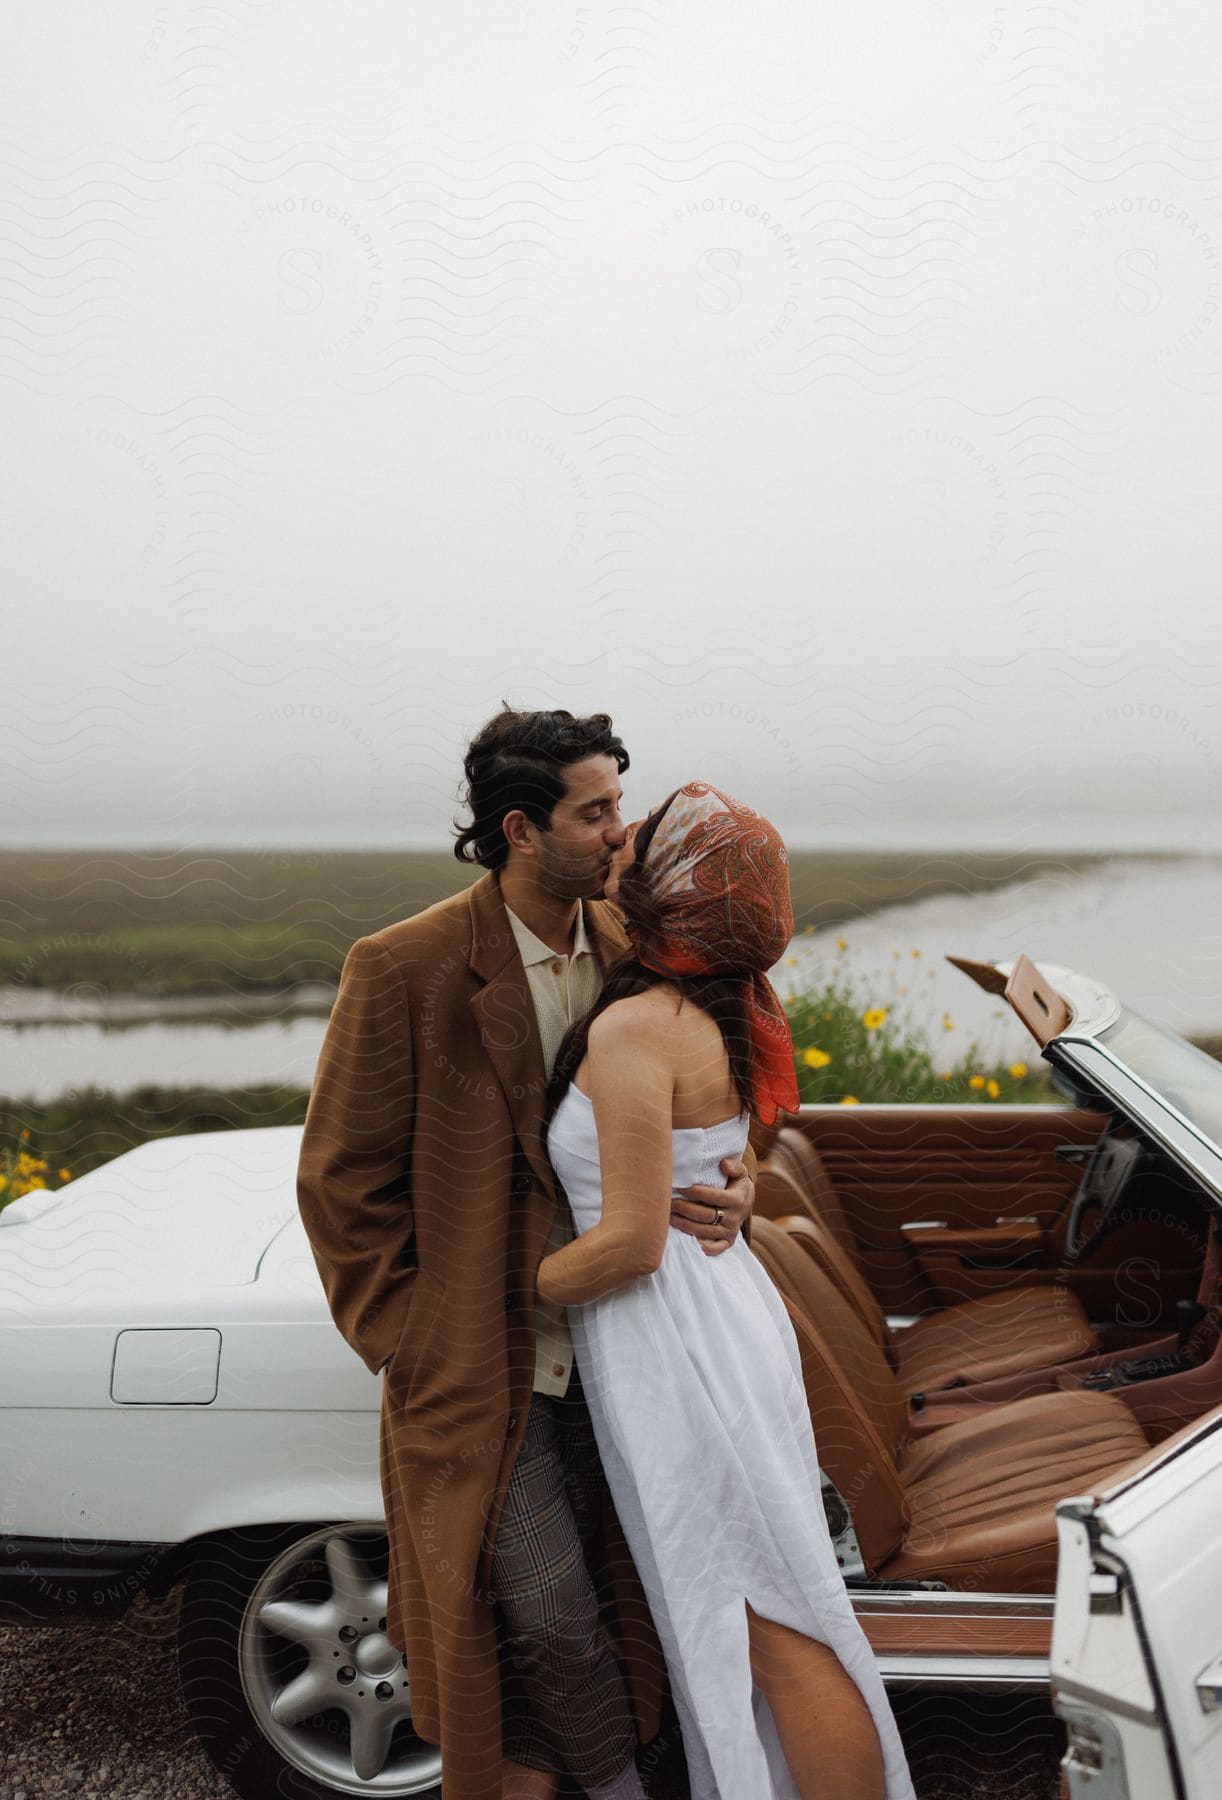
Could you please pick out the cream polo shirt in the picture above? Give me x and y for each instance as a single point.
(563, 988)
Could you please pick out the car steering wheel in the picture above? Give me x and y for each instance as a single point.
(1113, 1161)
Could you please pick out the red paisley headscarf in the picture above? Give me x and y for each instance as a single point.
(718, 877)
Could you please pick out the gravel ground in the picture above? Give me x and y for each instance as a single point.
(93, 1710)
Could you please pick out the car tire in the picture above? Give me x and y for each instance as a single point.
(289, 1679)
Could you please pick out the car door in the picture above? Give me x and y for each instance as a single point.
(952, 1202)
(1137, 1630)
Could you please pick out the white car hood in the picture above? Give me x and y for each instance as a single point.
(176, 1215)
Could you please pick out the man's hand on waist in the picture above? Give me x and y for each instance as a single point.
(715, 1215)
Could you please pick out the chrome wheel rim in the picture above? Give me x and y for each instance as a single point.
(323, 1682)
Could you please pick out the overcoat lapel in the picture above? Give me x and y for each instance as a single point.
(505, 1013)
(508, 1028)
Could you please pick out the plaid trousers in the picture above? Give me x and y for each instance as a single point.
(565, 1707)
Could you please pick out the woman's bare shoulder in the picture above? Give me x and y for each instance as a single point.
(651, 1037)
(656, 1010)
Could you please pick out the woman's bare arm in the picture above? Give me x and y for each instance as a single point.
(631, 1084)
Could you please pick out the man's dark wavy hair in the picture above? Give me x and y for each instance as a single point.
(516, 763)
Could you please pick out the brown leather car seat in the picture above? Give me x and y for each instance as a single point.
(971, 1504)
(997, 1334)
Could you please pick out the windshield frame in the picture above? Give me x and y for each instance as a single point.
(1089, 1057)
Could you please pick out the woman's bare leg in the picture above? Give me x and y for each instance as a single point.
(520, 1783)
(825, 1727)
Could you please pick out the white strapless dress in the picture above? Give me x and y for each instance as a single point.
(694, 1385)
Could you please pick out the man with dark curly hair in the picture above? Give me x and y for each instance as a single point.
(429, 1202)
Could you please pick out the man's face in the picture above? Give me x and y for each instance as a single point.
(575, 853)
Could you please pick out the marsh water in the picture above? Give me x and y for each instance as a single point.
(1148, 930)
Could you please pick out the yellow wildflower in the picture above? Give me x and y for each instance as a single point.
(815, 1059)
(993, 1090)
(874, 1017)
(842, 943)
(948, 1024)
(25, 1132)
(975, 1081)
(1018, 1070)
(914, 952)
(3, 1183)
(65, 1174)
(946, 1075)
(849, 1100)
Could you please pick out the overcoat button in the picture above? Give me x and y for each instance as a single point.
(511, 1300)
(520, 1184)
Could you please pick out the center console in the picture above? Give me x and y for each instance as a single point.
(1168, 1383)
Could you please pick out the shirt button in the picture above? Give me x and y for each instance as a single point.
(557, 967)
(557, 1368)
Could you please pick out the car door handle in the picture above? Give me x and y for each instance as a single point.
(1209, 1686)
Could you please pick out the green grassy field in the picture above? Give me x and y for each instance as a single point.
(248, 922)
(170, 924)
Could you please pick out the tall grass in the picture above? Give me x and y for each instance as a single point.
(853, 1045)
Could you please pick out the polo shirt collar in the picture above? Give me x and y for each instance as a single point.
(534, 950)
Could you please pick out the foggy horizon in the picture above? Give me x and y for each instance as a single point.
(832, 398)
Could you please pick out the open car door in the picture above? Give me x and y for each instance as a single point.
(1137, 1631)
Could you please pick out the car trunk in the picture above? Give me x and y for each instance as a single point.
(174, 1217)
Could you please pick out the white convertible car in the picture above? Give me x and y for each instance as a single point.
(1018, 1404)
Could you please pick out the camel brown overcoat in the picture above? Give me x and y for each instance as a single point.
(427, 1197)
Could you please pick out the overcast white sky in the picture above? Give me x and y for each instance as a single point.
(830, 393)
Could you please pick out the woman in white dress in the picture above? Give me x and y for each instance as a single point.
(687, 1359)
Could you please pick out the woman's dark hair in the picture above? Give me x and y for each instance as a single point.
(516, 763)
(722, 997)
